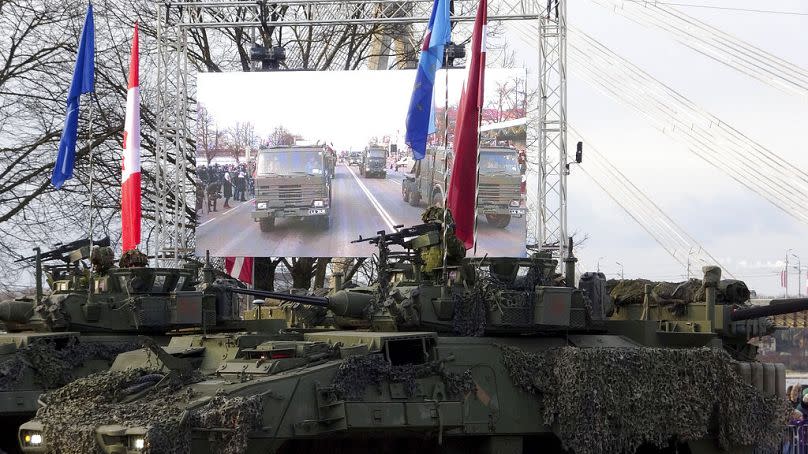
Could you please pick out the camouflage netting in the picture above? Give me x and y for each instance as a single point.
(53, 366)
(132, 259)
(632, 291)
(73, 412)
(471, 308)
(358, 373)
(610, 400)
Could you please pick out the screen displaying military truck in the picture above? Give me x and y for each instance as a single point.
(373, 162)
(292, 182)
(499, 190)
(355, 158)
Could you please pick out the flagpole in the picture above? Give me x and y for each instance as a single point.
(477, 172)
(445, 171)
(90, 148)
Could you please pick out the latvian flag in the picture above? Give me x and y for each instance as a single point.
(784, 278)
(240, 268)
(130, 179)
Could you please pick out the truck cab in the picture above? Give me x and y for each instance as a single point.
(355, 158)
(292, 182)
(374, 160)
(499, 190)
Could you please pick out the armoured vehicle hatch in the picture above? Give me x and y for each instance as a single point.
(292, 182)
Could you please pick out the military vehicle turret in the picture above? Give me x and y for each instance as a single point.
(488, 356)
(72, 332)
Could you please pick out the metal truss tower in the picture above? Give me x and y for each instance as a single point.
(175, 153)
(552, 129)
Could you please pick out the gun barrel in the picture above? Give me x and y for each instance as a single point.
(303, 299)
(775, 307)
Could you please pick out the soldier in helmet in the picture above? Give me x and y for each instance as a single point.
(432, 256)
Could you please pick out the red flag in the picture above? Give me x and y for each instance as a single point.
(784, 278)
(240, 268)
(463, 186)
(130, 169)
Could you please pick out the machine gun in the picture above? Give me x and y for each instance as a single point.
(400, 237)
(64, 252)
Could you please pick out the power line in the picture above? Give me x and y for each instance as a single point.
(726, 8)
(715, 44)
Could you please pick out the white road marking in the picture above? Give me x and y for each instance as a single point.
(225, 213)
(378, 206)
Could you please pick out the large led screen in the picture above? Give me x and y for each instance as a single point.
(303, 163)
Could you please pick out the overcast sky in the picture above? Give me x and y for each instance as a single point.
(749, 235)
(346, 108)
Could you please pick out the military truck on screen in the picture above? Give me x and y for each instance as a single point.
(500, 197)
(355, 158)
(292, 182)
(374, 159)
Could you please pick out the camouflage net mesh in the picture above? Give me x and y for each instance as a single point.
(144, 399)
(53, 366)
(632, 291)
(132, 259)
(609, 400)
(359, 373)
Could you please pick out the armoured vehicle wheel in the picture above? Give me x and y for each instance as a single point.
(498, 220)
(267, 224)
(437, 199)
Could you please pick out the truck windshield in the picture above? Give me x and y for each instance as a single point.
(375, 153)
(286, 162)
(494, 162)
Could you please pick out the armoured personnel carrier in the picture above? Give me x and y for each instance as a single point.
(499, 198)
(72, 332)
(492, 356)
(292, 182)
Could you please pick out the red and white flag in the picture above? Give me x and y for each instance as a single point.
(784, 278)
(240, 268)
(463, 185)
(130, 180)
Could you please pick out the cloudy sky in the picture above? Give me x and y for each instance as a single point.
(748, 234)
(343, 107)
(745, 232)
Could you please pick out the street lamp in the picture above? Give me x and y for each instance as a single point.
(799, 282)
(621, 270)
(785, 281)
(598, 265)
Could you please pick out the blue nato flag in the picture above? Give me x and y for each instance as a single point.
(421, 114)
(83, 82)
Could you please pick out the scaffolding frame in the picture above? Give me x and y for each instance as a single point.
(176, 198)
(553, 167)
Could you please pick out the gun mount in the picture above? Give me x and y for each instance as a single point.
(69, 252)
